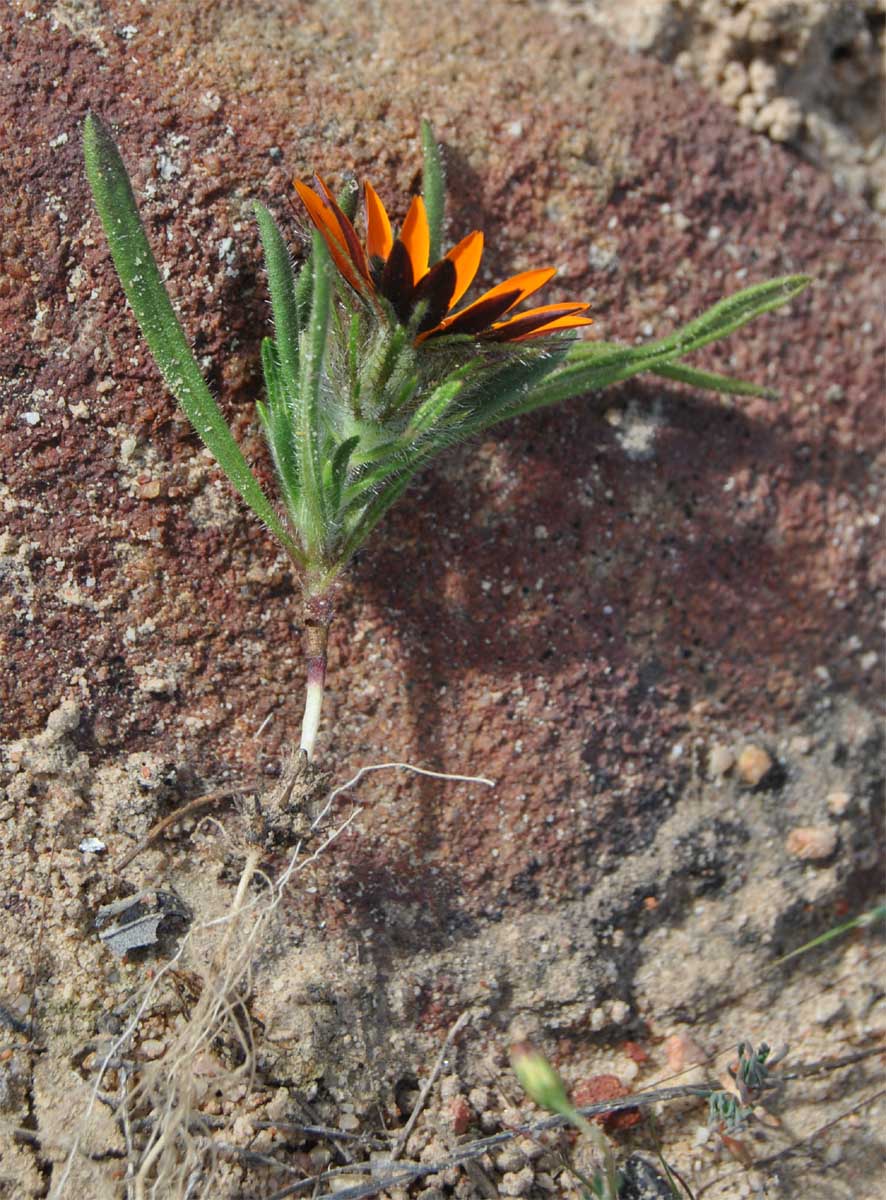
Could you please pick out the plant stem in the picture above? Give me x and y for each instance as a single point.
(318, 614)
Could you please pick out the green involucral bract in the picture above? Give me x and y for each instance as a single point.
(356, 400)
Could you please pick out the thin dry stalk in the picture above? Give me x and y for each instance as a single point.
(400, 1144)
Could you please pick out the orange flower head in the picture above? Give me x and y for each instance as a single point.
(397, 270)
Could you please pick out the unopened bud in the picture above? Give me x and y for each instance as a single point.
(538, 1078)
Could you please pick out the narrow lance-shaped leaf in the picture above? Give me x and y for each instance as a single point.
(431, 411)
(712, 382)
(335, 471)
(587, 369)
(281, 285)
(721, 318)
(433, 188)
(158, 322)
(374, 513)
(304, 285)
(575, 380)
(705, 380)
(270, 361)
(308, 399)
(277, 424)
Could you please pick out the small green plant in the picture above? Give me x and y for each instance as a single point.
(375, 366)
(730, 1109)
(543, 1085)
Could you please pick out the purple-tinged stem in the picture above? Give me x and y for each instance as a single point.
(313, 703)
(318, 612)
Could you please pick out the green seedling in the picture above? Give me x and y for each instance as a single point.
(730, 1109)
(376, 367)
(543, 1085)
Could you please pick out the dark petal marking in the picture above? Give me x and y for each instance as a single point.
(349, 233)
(376, 270)
(396, 281)
(436, 289)
(520, 326)
(481, 314)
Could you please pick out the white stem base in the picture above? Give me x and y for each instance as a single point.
(313, 705)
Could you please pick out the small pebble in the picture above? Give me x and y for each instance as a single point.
(838, 802)
(754, 764)
(510, 1160)
(701, 1136)
(597, 1089)
(833, 1154)
(598, 1020)
(155, 685)
(682, 1051)
(636, 1052)
(628, 1072)
(530, 1147)
(620, 1011)
(152, 1048)
(720, 762)
(517, 1183)
(811, 843)
(460, 1115)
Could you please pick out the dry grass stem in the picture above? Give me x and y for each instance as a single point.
(178, 1152)
(426, 1087)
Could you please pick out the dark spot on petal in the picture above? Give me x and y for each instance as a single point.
(396, 281)
(436, 290)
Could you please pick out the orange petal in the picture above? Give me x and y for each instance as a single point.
(527, 282)
(466, 259)
(560, 323)
(347, 232)
(379, 237)
(535, 324)
(328, 228)
(574, 305)
(416, 237)
(522, 285)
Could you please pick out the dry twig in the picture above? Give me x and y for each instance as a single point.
(403, 1138)
(180, 813)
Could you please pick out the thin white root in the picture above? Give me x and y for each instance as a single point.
(178, 1159)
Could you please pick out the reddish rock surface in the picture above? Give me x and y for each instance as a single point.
(598, 1088)
(543, 608)
(574, 607)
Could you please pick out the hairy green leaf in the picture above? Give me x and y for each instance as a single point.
(308, 401)
(433, 188)
(277, 425)
(711, 382)
(588, 368)
(158, 322)
(281, 285)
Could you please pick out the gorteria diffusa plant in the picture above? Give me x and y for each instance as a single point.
(376, 365)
